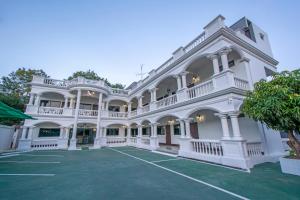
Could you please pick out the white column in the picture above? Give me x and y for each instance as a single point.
(155, 129)
(129, 107)
(104, 132)
(31, 99)
(67, 133)
(128, 132)
(73, 140)
(37, 100)
(106, 105)
(235, 126)
(30, 132)
(182, 129)
(224, 58)
(140, 101)
(61, 132)
(154, 94)
(215, 61)
(99, 115)
(24, 131)
(178, 82)
(71, 103)
(140, 130)
(224, 124)
(66, 102)
(187, 128)
(183, 78)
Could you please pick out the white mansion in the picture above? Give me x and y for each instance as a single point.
(190, 105)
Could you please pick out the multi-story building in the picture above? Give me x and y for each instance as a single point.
(190, 105)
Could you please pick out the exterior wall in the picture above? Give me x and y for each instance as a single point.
(6, 137)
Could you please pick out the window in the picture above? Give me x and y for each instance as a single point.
(134, 132)
(262, 36)
(160, 130)
(114, 108)
(49, 132)
(231, 63)
(112, 132)
(176, 129)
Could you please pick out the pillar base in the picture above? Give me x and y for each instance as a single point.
(97, 144)
(138, 141)
(62, 143)
(24, 144)
(103, 141)
(73, 144)
(185, 146)
(154, 143)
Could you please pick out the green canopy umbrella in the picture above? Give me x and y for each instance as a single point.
(9, 112)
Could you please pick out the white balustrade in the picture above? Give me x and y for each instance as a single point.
(201, 89)
(207, 147)
(133, 140)
(254, 149)
(145, 140)
(241, 83)
(119, 91)
(45, 144)
(117, 114)
(54, 82)
(50, 111)
(195, 42)
(166, 101)
(133, 113)
(88, 113)
(116, 141)
(146, 108)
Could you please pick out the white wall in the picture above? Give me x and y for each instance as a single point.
(6, 137)
(249, 129)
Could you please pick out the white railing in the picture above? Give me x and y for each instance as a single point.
(50, 111)
(133, 140)
(116, 140)
(88, 113)
(117, 114)
(241, 83)
(145, 140)
(119, 91)
(200, 89)
(194, 43)
(207, 147)
(133, 113)
(166, 101)
(54, 82)
(44, 144)
(146, 108)
(254, 149)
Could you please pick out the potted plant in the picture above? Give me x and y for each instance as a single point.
(277, 104)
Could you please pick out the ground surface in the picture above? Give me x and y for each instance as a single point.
(129, 173)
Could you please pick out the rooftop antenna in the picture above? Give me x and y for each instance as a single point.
(141, 74)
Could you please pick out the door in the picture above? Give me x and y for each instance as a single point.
(168, 135)
(194, 130)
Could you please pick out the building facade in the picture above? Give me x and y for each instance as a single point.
(190, 105)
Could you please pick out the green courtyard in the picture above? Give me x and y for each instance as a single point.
(130, 173)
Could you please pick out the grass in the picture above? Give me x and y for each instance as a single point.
(108, 174)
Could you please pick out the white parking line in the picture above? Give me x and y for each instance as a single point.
(27, 174)
(30, 162)
(10, 155)
(183, 175)
(158, 161)
(44, 155)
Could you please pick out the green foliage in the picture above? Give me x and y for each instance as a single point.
(90, 74)
(15, 102)
(276, 102)
(16, 83)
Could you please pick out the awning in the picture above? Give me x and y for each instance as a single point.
(9, 112)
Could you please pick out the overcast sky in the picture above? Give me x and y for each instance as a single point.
(114, 38)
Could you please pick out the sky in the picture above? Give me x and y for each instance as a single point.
(114, 37)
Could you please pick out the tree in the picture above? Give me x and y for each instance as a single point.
(14, 102)
(16, 83)
(90, 74)
(277, 104)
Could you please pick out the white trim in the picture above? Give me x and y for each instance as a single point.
(158, 161)
(28, 162)
(27, 174)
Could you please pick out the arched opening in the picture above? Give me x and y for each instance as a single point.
(205, 125)
(133, 130)
(146, 98)
(199, 71)
(116, 130)
(146, 128)
(168, 131)
(52, 99)
(86, 133)
(117, 106)
(134, 104)
(238, 68)
(45, 130)
(166, 88)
